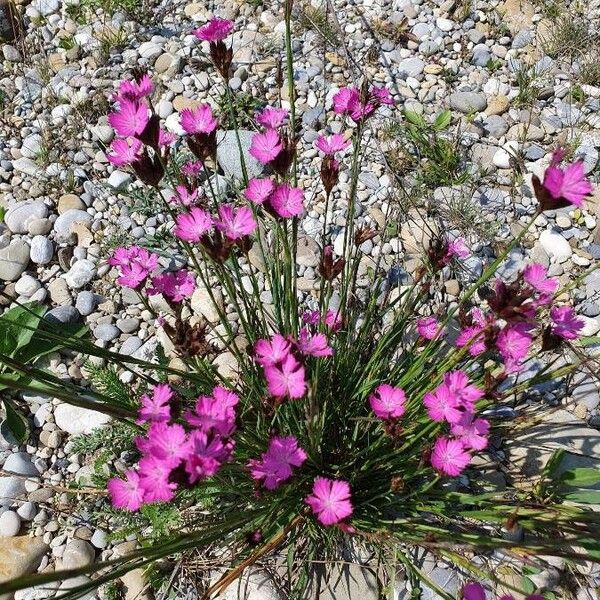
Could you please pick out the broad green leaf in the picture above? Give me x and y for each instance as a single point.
(15, 422)
(584, 497)
(582, 477)
(442, 120)
(18, 326)
(414, 118)
(553, 464)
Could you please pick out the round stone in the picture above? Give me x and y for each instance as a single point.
(106, 332)
(42, 250)
(14, 260)
(10, 524)
(80, 274)
(19, 216)
(27, 286)
(78, 553)
(20, 463)
(76, 420)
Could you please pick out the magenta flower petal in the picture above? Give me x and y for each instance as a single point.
(266, 146)
(449, 457)
(330, 500)
(215, 30)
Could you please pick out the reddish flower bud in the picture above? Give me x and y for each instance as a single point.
(330, 269)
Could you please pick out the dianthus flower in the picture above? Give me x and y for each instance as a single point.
(207, 454)
(565, 322)
(287, 201)
(457, 248)
(330, 500)
(136, 89)
(266, 146)
(443, 405)
(472, 432)
(286, 378)
(193, 225)
(126, 493)
(381, 95)
(514, 342)
(332, 144)
(156, 407)
(215, 413)
(198, 120)
(125, 151)
(273, 351)
(475, 591)
(313, 344)
(474, 336)
(259, 190)
(215, 30)
(235, 223)
(333, 320)
(166, 442)
(192, 168)
(449, 457)
(567, 183)
(135, 264)
(388, 402)
(428, 327)
(154, 480)
(166, 138)
(130, 119)
(271, 117)
(174, 286)
(536, 276)
(276, 464)
(458, 383)
(183, 196)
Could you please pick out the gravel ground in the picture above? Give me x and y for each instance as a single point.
(511, 104)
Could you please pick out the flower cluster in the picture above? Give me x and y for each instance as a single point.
(170, 454)
(276, 465)
(281, 200)
(475, 591)
(357, 104)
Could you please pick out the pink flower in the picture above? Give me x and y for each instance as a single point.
(443, 405)
(565, 323)
(259, 190)
(273, 351)
(193, 225)
(192, 168)
(135, 264)
(168, 443)
(271, 117)
(126, 493)
(286, 379)
(276, 464)
(235, 223)
(381, 95)
(266, 146)
(215, 30)
(388, 402)
(449, 457)
(198, 120)
(333, 320)
(135, 90)
(132, 276)
(313, 344)
(428, 327)
(514, 342)
(183, 196)
(154, 479)
(175, 286)
(207, 454)
(216, 413)
(457, 248)
(536, 276)
(125, 151)
(473, 433)
(472, 335)
(287, 201)
(332, 144)
(346, 100)
(130, 119)
(330, 500)
(568, 183)
(473, 591)
(166, 138)
(156, 407)
(458, 383)
(311, 317)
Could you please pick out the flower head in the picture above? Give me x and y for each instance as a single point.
(198, 120)
(458, 383)
(443, 405)
(273, 351)
(473, 433)
(346, 100)
(428, 327)
(286, 378)
(207, 453)
(381, 95)
(287, 201)
(215, 30)
(156, 407)
(137, 88)
(313, 344)
(191, 226)
(271, 117)
(514, 342)
(236, 223)
(165, 442)
(266, 146)
(330, 500)
(183, 196)
(176, 286)
(565, 322)
(135, 264)
(388, 402)
(259, 190)
(130, 119)
(276, 464)
(166, 138)
(192, 168)
(127, 493)
(457, 248)
(216, 413)
(569, 182)
(473, 591)
(124, 151)
(332, 144)
(449, 457)
(154, 480)
(536, 276)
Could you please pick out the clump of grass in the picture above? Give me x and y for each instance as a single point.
(589, 70)
(396, 32)
(318, 20)
(569, 36)
(244, 105)
(111, 39)
(525, 79)
(463, 214)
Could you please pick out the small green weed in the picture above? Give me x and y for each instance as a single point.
(318, 20)
(245, 105)
(569, 36)
(67, 43)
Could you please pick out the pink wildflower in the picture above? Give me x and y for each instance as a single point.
(457, 248)
(166, 138)
(198, 120)
(156, 407)
(273, 351)
(184, 197)
(215, 413)
(130, 119)
(259, 190)
(165, 442)
(126, 493)
(514, 342)
(135, 90)
(458, 383)
(330, 500)
(565, 323)
(381, 95)
(192, 168)
(472, 335)
(346, 100)
(332, 144)
(135, 264)
(276, 464)
(313, 344)
(449, 457)
(333, 320)
(536, 276)
(286, 379)
(175, 286)
(271, 117)
(215, 30)
(428, 327)
(287, 201)
(207, 454)
(443, 405)
(132, 276)
(569, 182)
(311, 317)
(124, 151)
(235, 223)
(154, 479)
(388, 402)
(473, 591)
(191, 226)
(473, 433)
(266, 146)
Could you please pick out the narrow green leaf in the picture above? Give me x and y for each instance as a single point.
(442, 120)
(414, 118)
(582, 477)
(584, 497)
(591, 340)
(15, 422)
